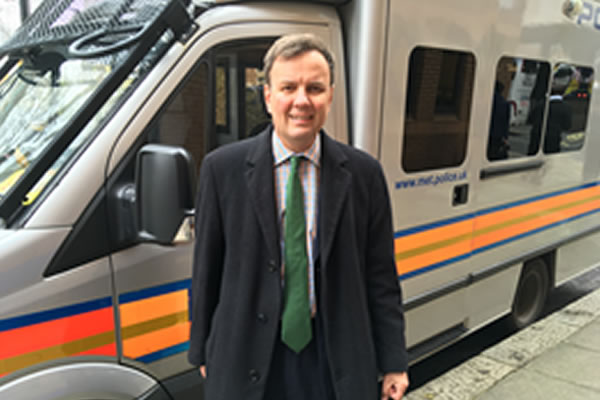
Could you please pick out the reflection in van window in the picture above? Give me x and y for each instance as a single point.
(568, 108)
(239, 106)
(221, 87)
(518, 107)
(438, 106)
(216, 104)
(182, 121)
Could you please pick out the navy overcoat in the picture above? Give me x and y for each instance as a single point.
(236, 284)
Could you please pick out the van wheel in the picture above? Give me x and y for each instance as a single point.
(531, 294)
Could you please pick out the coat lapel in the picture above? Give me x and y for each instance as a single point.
(260, 181)
(335, 181)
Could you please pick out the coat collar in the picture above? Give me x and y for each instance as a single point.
(261, 188)
(335, 181)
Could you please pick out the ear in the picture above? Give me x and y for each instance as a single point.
(267, 95)
(331, 94)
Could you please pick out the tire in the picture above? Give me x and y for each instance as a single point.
(531, 295)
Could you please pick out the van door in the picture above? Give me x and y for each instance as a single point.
(427, 108)
(211, 96)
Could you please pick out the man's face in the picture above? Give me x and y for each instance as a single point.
(299, 98)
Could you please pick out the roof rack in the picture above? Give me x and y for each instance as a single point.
(58, 23)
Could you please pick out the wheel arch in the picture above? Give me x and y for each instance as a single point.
(82, 379)
(549, 259)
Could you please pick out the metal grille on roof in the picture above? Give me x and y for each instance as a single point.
(63, 21)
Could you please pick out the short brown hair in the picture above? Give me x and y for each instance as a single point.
(290, 46)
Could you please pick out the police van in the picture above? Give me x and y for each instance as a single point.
(108, 107)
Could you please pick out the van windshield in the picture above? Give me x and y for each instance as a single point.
(68, 66)
(35, 106)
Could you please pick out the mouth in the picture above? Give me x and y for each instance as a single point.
(301, 118)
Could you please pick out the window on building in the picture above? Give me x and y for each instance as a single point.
(518, 106)
(568, 108)
(450, 85)
(222, 109)
(438, 106)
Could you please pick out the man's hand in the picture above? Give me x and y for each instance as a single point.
(202, 369)
(394, 385)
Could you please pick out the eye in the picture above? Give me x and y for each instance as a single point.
(315, 89)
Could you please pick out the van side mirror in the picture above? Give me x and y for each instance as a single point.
(165, 187)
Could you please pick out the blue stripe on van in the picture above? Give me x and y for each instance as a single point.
(49, 315)
(164, 353)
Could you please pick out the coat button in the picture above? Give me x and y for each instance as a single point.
(262, 318)
(253, 375)
(272, 266)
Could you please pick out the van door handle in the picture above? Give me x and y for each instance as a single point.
(461, 194)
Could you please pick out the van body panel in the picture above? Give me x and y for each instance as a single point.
(432, 233)
(367, 23)
(22, 268)
(577, 257)
(45, 319)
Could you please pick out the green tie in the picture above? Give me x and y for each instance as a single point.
(296, 330)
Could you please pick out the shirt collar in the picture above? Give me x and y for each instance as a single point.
(282, 153)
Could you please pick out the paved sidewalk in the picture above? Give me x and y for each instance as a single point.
(558, 357)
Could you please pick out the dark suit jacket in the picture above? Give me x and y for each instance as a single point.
(559, 121)
(236, 285)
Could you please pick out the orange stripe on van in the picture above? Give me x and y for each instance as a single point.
(154, 323)
(454, 241)
(528, 209)
(39, 336)
(156, 340)
(154, 319)
(95, 344)
(431, 257)
(153, 307)
(433, 235)
(541, 220)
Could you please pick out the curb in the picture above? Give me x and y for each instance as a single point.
(475, 376)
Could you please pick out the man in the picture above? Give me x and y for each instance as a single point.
(295, 294)
(559, 115)
(498, 137)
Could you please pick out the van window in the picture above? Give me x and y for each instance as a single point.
(568, 108)
(183, 120)
(438, 106)
(203, 115)
(239, 106)
(518, 105)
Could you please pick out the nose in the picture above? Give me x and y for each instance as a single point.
(301, 98)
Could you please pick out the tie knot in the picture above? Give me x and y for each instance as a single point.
(295, 160)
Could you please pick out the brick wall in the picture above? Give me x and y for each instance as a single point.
(435, 139)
